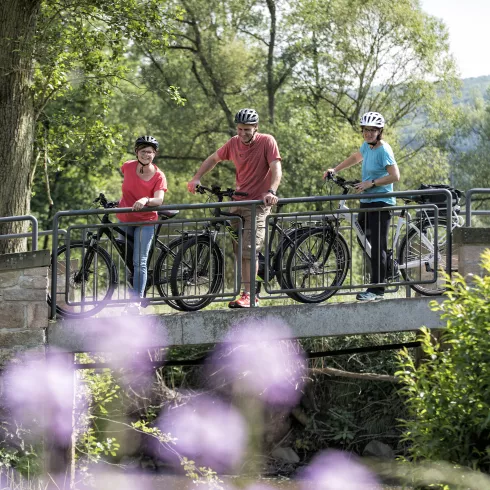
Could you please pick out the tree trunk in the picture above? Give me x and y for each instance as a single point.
(17, 114)
(271, 83)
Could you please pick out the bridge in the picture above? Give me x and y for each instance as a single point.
(24, 313)
(209, 327)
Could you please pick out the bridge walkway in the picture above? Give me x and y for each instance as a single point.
(210, 326)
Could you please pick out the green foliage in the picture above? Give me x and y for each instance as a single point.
(470, 154)
(351, 412)
(17, 452)
(80, 58)
(448, 394)
(94, 449)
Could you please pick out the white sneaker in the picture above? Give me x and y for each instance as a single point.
(368, 296)
(133, 309)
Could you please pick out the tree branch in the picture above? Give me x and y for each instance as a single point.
(349, 374)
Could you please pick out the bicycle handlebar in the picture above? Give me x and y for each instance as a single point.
(216, 190)
(105, 203)
(341, 182)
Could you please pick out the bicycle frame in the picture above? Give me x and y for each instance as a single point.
(401, 222)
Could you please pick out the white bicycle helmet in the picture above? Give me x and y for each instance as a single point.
(374, 119)
(246, 116)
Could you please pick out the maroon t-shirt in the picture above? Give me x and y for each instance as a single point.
(253, 174)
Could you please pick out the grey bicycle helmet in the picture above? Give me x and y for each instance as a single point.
(374, 119)
(146, 141)
(246, 116)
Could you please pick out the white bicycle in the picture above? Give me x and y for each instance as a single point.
(320, 259)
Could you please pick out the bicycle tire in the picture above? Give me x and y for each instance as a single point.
(282, 252)
(94, 281)
(198, 270)
(414, 249)
(304, 268)
(163, 270)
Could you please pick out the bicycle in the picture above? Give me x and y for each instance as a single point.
(198, 270)
(87, 276)
(417, 252)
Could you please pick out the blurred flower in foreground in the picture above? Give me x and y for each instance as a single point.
(40, 393)
(207, 431)
(127, 337)
(102, 478)
(259, 486)
(336, 470)
(261, 358)
(130, 343)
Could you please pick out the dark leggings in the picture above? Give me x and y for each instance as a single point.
(375, 225)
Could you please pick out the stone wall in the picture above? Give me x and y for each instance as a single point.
(23, 307)
(471, 242)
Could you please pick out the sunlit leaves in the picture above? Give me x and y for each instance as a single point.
(448, 393)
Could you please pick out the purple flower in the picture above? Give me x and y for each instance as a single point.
(262, 359)
(40, 393)
(102, 478)
(128, 336)
(131, 343)
(336, 470)
(207, 431)
(259, 486)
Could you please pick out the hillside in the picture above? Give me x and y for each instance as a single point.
(472, 87)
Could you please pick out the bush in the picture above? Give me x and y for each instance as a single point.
(448, 394)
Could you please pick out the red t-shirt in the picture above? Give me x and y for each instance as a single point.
(253, 174)
(134, 188)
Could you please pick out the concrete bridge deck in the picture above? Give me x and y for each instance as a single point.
(210, 326)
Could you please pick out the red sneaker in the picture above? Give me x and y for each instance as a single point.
(242, 302)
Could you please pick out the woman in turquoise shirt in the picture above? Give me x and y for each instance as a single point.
(379, 171)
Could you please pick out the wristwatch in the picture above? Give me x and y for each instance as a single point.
(147, 201)
(372, 182)
(272, 191)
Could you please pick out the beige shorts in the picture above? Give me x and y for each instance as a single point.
(246, 213)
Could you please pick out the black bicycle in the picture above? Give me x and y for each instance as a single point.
(198, 271)
(87, 276)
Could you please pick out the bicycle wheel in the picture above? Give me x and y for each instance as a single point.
(163, 270)
(282, 252)
(417, 254)
(319, 259)
(197, 271)
(92, 278)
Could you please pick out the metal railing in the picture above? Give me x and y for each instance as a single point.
(189, 228)
(34, 234)
(474, 212)
(292, 221)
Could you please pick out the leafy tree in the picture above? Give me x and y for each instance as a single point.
(471, 149)
(47, 48)
(383, 56)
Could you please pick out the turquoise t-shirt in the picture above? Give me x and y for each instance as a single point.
(374, 163)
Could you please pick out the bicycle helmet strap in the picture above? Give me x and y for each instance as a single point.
(142, 165)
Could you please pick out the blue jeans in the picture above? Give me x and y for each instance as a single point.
(142, 236)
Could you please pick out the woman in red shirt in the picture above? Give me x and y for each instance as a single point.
(144, 185)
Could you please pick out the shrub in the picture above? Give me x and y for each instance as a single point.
(448, 394)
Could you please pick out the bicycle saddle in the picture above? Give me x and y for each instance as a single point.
(168, 213)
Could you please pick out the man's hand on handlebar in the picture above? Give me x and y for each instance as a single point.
(217, 191)
(329, 173)
(192, 185)
(270, 199)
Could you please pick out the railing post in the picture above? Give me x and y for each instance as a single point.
(253, 258)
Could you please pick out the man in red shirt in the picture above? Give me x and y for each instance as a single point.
(258, 173)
